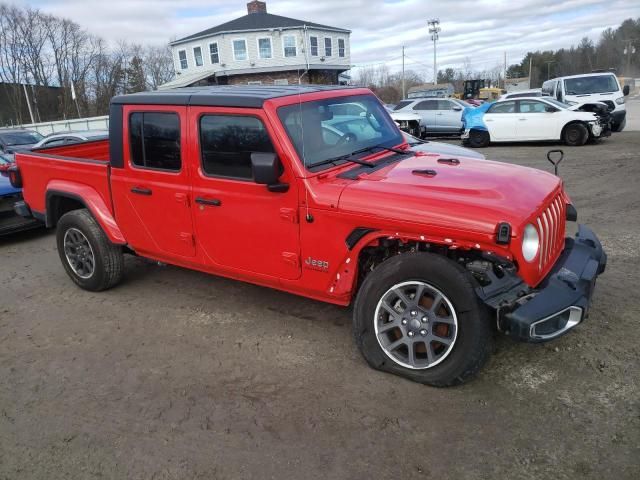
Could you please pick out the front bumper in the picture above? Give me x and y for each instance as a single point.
(618, 120)
(562, 300)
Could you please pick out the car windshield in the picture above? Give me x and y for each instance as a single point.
(586, 85)
(20, 138)
(557, 103)
(322, 130)
(402, 104)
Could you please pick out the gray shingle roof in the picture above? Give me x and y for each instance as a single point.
(257, 21)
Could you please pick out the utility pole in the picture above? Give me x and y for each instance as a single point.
(403, 87)
(628, 50)
(434, 30)
(504, 72)
(26, 95)
(549, 62)
(530, 66)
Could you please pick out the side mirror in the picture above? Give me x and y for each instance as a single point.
(550, 109)
(457, 108)
(266, 169)
(625, 90)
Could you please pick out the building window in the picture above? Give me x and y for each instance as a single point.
(213, 51)
(154, 138)
(254, 82)
(327, 47)
(197, 55)
(264, 47)
(289, 42)
(341, 47)
(240, 49)
(227, 142)
(314, 46)
(281, 81)
(182, 55)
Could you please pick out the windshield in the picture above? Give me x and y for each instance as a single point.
(402, 104)
(20, 138)
(557, 103)
(586, 85)
(322, 130)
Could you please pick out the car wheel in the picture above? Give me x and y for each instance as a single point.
(575, 134)
(88, 257)
(478, 139)
(417, 315)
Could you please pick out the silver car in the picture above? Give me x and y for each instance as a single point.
(440, 116)
(66, 138)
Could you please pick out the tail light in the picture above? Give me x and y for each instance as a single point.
(14, 176)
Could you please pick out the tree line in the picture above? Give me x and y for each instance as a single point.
(614, 50)
(49, 58)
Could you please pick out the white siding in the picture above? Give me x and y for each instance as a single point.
(225, 51)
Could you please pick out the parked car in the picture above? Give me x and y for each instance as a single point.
(534, 92)
(432, 251)
(13, 139)
(410, 122)
(535, 119)
(66, 138)
(441, 148)
(592, 87)
(440, 116)
(10, 221)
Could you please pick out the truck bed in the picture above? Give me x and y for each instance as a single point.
(44, 170)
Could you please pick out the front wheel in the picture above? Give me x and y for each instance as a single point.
(417, 315)
(88, 257)
(575, 135)
(479, 139)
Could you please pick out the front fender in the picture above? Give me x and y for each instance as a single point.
(91, 199)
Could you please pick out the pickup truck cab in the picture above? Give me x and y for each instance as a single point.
(253, 184)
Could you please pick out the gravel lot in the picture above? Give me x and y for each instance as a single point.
(176, 374)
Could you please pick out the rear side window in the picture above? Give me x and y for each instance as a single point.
(504, 107)
(427, 105)
(227, 142)
(154, 138)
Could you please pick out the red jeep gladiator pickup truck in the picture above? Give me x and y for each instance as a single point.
(314, 191)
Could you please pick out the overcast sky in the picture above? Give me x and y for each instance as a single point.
(477, 30)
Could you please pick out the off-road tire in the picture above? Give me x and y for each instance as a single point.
(473, 344)
(109, 261)
(575, 134)
(479, 139)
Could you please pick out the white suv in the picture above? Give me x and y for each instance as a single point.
(591, 87)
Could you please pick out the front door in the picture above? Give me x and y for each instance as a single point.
(240, 224)
(534, 122)
(151, 191)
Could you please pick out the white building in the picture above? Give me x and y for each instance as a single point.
(261, 48)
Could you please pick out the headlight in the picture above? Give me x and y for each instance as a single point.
(530, 243)
(620, 101)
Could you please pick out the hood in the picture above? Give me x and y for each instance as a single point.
(6, 188)
(445, 149)
(407, 116)
(19, 148)
(474, 195)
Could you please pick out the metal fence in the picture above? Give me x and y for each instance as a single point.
(77, 124)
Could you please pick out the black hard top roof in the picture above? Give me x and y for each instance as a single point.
(250, 96)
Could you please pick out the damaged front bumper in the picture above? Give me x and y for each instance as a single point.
(559, 303)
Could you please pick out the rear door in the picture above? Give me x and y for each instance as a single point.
(501, 119)
(151, 192)
(240, 224)
(427, 110)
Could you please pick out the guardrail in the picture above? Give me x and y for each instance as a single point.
(76, 124)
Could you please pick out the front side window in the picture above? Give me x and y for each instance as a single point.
(327, 47)
(341, 47)
(504, 107)
(240, 49)
(445, 105)
(319, 134)
(197, 55)
(531, 106)
(182, 55)
(213, 51)
(264, 47)
(227, 142)
(154, 138)
(314, 46)
(289, 42)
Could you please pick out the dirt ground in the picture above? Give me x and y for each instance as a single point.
(179, 375)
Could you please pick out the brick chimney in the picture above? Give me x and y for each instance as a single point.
(257, 7)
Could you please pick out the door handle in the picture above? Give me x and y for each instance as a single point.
(211, 202)
(141, 191)
(522, 119)
(488, 120)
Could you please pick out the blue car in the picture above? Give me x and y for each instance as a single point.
(10, 222)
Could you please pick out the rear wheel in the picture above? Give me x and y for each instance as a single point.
(88, 257)
(479, 138)
(417, 316)
(575, 135)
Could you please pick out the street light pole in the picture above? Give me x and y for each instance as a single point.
(549, 62)
(434, 29)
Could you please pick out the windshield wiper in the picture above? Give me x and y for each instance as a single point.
(348, 156)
